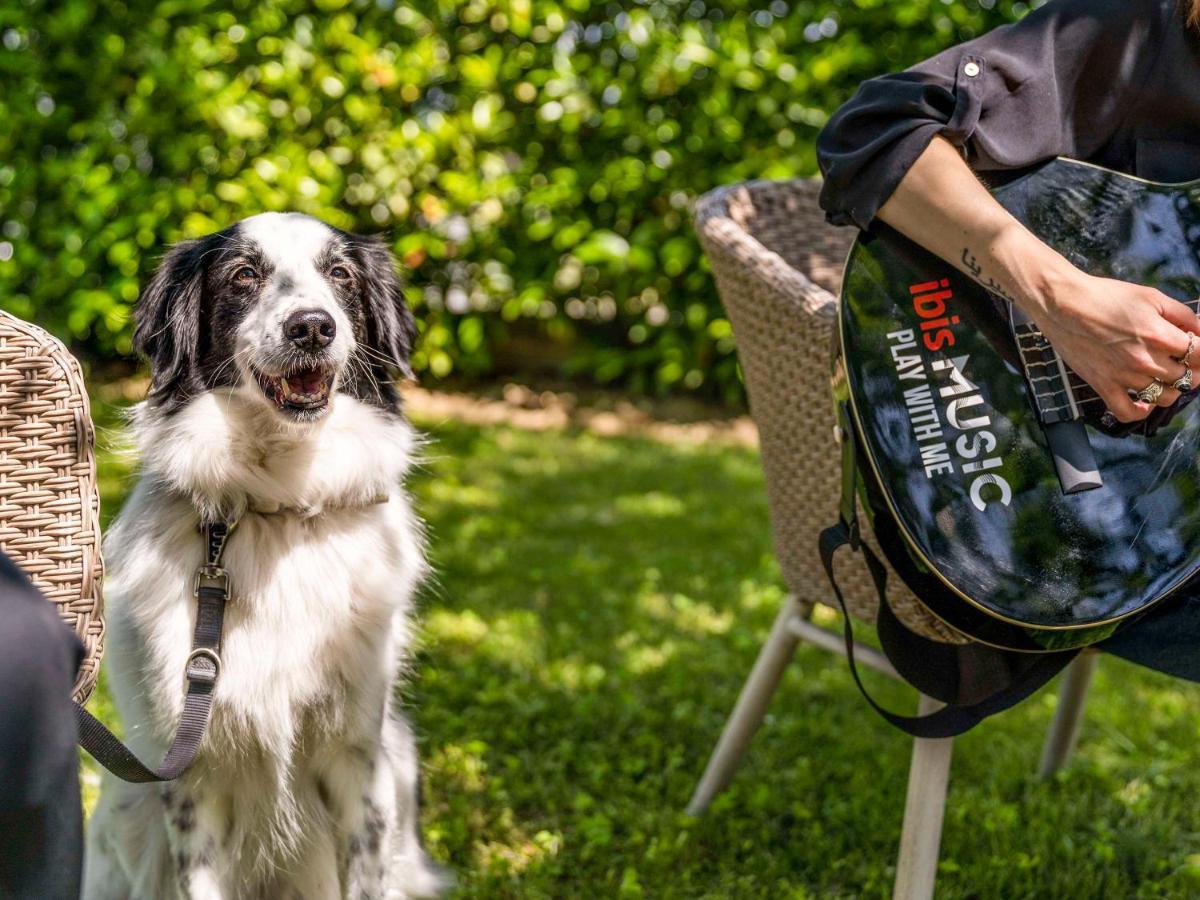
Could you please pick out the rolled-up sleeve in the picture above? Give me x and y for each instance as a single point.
(1058, 83)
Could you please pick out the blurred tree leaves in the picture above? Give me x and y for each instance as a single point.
(532, 161)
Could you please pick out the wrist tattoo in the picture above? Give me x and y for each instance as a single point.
(976, 270)
(971, 263)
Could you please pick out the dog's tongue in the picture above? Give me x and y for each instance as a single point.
(306, 381)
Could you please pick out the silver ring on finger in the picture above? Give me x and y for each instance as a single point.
(1184, 383)
(1186, 359)
(1151, 392)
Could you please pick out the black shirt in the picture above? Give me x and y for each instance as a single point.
(1113, 82)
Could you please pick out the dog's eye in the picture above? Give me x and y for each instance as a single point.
(341, 273)
(245, 275)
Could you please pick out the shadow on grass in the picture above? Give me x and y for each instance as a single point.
(598, 603)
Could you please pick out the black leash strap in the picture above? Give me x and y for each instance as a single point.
(203, 669)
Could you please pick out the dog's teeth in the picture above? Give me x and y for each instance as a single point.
(281, 390)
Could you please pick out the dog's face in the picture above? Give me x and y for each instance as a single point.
(281, 307)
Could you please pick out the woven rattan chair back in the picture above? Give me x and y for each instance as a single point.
(778, 268)
(49, 505)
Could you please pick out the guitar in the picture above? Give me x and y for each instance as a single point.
(1027, 516)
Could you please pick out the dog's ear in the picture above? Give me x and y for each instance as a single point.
(391, 329)
(167, 321)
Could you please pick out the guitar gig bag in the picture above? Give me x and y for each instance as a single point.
(1003, 539)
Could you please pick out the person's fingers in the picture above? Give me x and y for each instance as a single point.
(1183, 317)
(1169, 396)
(1167, 338)
(1164, 369)
(1124, 407)
(1178, 371)
(1168, 345)
(1160, 356)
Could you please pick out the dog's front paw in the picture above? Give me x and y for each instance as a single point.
(420, 878)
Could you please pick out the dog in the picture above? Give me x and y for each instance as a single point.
(272, 345)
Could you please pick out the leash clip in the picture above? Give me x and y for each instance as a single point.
(211, 573)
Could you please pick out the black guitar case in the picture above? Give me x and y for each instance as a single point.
(1047, 565)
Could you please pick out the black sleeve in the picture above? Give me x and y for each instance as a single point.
(41, 822)
(1058, 83)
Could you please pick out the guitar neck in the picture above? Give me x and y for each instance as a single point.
(1060, 394)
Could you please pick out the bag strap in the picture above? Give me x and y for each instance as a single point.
(898, 642)
(952, 719)
(203, 668)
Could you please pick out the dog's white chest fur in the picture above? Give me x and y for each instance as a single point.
(305, 765)
(319, 607)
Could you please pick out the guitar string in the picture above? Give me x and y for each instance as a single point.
(1038, 343)
(1073, 383)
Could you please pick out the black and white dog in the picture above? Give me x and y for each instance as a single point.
(272, 347)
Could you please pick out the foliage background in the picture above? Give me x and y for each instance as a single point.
(533, 161)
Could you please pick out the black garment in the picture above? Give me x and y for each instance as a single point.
(1114, 82)
(41, 821)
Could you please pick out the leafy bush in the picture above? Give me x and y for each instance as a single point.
(532, 161)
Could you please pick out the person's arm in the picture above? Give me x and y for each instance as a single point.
(1060, 82)
(1117, 336)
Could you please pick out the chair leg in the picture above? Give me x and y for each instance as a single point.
(751, 706)
(1064, 732)
(921, 834)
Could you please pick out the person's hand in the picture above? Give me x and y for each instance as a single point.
(1119, 337)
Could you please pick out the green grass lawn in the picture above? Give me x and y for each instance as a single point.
(596, 605)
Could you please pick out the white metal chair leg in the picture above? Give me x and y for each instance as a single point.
(921, 835)
(751, 706)
(1064, 731)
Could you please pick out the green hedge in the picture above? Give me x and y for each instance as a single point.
(533, 161)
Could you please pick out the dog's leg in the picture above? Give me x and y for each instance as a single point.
(413, 873)
(314, 874)
(126, 855)
(195, 832)
(365, 835)
(103, 876)
(380, 852)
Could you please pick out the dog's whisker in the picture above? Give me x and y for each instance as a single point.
(375, 354)
(361, 363)
(232, 361)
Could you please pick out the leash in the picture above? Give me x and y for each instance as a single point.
(203, 667)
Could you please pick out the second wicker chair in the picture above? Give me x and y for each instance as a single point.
(778, 269)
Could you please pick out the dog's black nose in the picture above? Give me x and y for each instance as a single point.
(310, 329)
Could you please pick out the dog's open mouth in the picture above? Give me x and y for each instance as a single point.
(304, 389)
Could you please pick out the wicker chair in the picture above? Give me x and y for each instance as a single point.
(49, 504)
(778, 269)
